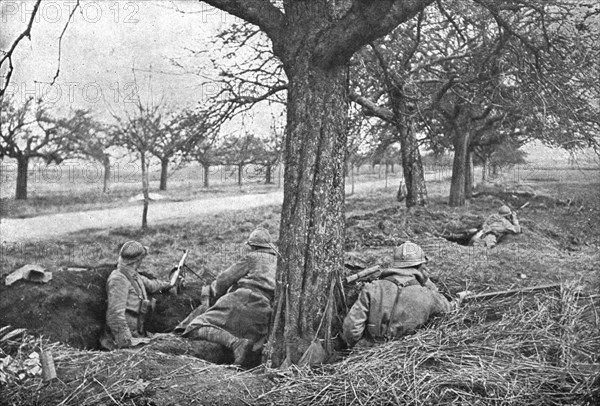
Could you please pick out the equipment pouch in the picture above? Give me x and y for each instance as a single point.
(145, 306)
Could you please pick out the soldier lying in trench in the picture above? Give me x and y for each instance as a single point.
(399, 302)
(495, 227)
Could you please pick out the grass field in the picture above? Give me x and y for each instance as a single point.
(538, 349)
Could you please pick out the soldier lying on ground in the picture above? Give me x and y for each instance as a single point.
(128, 303)
(239, 320)
(402, 300)
(495, 227)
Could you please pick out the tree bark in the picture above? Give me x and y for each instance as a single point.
(145, 191)
(239, 179)
(469, 175)
(106, 164)
(412, 169)
(22, 167)
(164, 171)
(352, 178)
(457, 185)
(313, 207)
(268, 174)
(385, 173)
(484, 169)
(206, 169)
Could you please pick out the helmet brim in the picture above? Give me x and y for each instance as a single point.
(408, 264)
(265, 245)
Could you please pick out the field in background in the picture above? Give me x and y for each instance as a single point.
(77, 185)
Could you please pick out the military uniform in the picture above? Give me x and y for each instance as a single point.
(495, 227)
(400, 302)
(245, 292)
(396, 305)
(239, 320)
(128, 302)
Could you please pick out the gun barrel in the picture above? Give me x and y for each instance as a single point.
(183, 258)
(363, 273)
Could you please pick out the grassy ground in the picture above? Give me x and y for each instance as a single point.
(532, 349)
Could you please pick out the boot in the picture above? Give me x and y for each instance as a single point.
(241, 349)
(240, 346)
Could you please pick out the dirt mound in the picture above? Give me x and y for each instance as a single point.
(72, 306)
(145, 376)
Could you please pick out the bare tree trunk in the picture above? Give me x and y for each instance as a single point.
(22, 167)
(412, 169)
(164, 172)
(239, 171)
(484, 169)
(386, 175)
(313, 208)
(457, 185)
(279, 177)
(145, 191)
(352, 177)
(106, 164)
(268, 174)
(469, 175)
(206, 169)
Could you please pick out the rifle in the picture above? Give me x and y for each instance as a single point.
(178, 274)
(363, 273)
(469, 296)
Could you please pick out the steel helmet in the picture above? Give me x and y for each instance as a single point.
(260, 237)
(132, 251)
(504, 210)
(408, 255)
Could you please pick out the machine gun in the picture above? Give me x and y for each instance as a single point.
(178, 274)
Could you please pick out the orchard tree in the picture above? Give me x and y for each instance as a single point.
(512, 68)
(314, 41)
(206, 153)
(382, 86)
(241, 151)
(92, 139)
(28, 131)
(268, 153)
(176, 134)
(137, 131)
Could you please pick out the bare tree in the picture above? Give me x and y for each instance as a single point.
(6, 61)
(174, 135)
(137, 132)
(28, 131)
(92, 139)
(314, 42)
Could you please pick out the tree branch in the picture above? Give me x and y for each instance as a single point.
(8, 54)
(365, 22)
(258, 12)
(60, 43)
(372, 109)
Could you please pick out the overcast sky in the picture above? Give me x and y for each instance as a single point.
(103, 43)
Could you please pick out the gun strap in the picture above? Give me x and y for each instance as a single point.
(386, 323)
(136, 286)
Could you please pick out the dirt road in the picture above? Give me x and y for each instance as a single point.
(50, 226)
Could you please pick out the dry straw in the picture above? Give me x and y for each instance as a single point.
(531, 350)
(537, 349)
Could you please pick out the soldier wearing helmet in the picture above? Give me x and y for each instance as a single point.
(398, 303)
(239, 319)
(128, 302)
(496, 227)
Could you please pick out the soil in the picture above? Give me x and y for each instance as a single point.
(560, 241)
